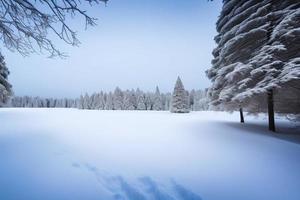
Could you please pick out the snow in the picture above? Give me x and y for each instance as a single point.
(58, 154)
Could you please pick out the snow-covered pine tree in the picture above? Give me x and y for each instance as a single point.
(128, 102)
(141, 100)
(80, 104)
(86, 102)
(5, 87)
(179, 98)
(167, 100)
(192, 95)
(157, 100)
(257, 61)
(52, 103)
(149, 101)
(187, 99)
(101, 103)
(109, 105)
(118, 99)
(201, 101)
(94, 101)
(133, 99)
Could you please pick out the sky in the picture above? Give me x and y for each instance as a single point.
(136, 44)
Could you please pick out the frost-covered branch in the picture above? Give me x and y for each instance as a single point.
(26, 25)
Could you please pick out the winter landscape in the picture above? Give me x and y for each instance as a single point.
(162, 100)
(90, 154)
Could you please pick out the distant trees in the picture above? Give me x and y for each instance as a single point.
(128, 100)
(180, 99)
(118, 100)
(256, 64)
(37, 102)
(5, 87)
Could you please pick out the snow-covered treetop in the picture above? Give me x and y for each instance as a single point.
(258, 50)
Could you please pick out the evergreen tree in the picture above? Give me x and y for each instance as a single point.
(101, 99)
(129, 100)
(157, 100)
(192, 99)
(201, 101)
(118, 99)
(167, 101)
(5, 87)
(80, 106)
(109, 105)
(179, 98)
(133, 99)
(86, 102)
(257, 61)
(149, 101)
(141, 100)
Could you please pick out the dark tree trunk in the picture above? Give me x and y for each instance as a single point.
(242, 115)
(271, 110)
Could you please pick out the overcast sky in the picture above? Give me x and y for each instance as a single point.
(137, 43)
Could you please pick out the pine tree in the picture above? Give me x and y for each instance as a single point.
(129, 100)
(257, 61)
(179, 98)
(118, 99)
(86, 102)
(157, 100)
(149, 101)
(5, 87)
(192, 99)
(141, 100)
(101, 104)
(168, 99)
(109, 105)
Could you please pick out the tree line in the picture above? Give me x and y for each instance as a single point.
(134, 99)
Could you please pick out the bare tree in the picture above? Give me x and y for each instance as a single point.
(26, 25)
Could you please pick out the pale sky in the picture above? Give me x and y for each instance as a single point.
(137, 43)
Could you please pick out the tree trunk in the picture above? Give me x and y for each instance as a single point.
(271, 110)
(242, 115)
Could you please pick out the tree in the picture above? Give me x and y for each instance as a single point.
(192, 95)
(109, 105)
(129, 101)
(26, 25)
(5, 87)
(157, 100)
(84, 102)
(149, 101)
(101, 104)
(256, 62)
(201, 102)
(141, 100)
(118, 99)
(166, 101)
(179, 98)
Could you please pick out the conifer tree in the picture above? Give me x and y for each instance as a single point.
(157, 100)
(118, 99)
(179, 98)
(5, 87)
(256, 64)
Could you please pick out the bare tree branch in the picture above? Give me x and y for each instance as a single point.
(25, 25)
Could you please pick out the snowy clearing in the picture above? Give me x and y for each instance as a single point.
(80, 154)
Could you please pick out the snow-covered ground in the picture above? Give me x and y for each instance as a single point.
(69, 154)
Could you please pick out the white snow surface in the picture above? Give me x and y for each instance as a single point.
(62, 154)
